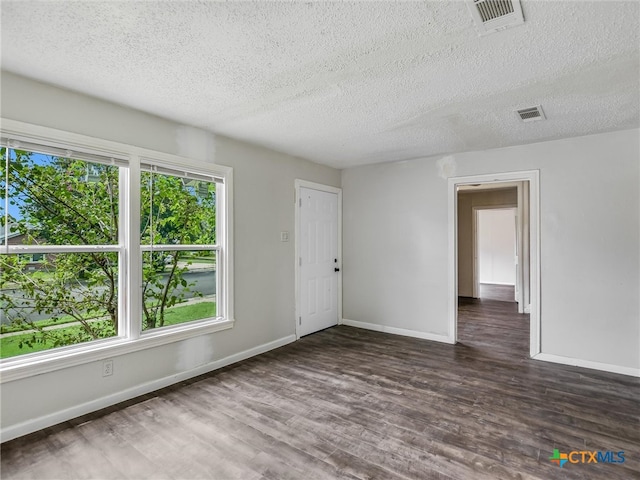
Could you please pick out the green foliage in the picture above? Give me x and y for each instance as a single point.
(59, 204)
(174, 211)
(61, 294)
(63, 201)
(23, 326)
(30, 342)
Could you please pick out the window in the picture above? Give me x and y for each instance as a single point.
(79, 275)
(178, 245)
(60, 266)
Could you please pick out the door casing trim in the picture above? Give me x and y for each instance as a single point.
(533, 177)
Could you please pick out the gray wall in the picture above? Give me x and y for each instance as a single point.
(264, 266)
(466, 202)
(396, 234)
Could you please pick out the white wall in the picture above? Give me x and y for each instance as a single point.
(395, 243)
(264, 266)
(497, 246)
(466, 201)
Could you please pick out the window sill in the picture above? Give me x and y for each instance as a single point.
(19, 367)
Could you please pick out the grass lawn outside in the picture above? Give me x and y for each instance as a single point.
(40, 323)
(10, 345)
(189, 313)
(14, 345)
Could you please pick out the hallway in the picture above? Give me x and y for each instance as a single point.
(493, 324)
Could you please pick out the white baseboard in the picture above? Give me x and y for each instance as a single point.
(49, 420)
(577, 362)
(527, 308)
(398, 331)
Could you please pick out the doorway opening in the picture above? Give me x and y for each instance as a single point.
(493, 256)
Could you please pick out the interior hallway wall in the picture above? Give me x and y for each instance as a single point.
(396, 272)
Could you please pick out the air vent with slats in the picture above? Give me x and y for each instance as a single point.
(490, 9)
(531, 113)
(495, 15)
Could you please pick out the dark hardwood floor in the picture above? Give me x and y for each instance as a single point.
(503, 293)
(350, 403)
(493, 326)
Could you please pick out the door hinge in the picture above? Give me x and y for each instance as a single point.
(299, 261)
(299, 320)
(300, 201)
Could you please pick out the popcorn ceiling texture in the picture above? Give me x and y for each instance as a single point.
(341, 83)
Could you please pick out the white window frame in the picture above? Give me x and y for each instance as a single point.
(130, 336)
(113, 159)
(162, 168)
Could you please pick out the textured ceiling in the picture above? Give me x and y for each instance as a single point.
(341, 83)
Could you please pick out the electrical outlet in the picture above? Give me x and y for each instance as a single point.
(107, 368)
(284, 236)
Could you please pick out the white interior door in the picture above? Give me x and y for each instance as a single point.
(318, 262)
(497, 246)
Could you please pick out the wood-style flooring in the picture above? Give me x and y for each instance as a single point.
(503, 293)
(349, 403)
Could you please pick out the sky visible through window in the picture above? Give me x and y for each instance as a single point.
(15, 200)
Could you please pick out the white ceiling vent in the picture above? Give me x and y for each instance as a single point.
(494, 15)
(531, 114)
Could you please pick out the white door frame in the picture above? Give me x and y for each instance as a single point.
(533, 177)
(322, 188)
